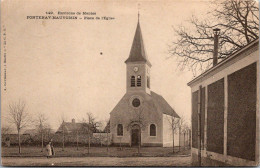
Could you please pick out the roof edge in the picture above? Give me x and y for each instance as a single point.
(235, 54)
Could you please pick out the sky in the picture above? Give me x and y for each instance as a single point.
(57, 68)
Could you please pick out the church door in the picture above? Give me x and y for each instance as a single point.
(135, 136)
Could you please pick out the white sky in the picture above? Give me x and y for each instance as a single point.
(56, 66)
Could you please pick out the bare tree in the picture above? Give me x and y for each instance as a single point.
(19, 117)
(62, 129)
(174, 123)
(90, 125)
(90, 120)
(48, 132)
(41, 126)
(75, 132)
(239, 24)
(139, 119)
(101, 138)
(181, 126)
(185, 132)
(107, 129)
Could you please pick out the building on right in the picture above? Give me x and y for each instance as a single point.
(225, 111)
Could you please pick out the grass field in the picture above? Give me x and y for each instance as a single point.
(96, 151)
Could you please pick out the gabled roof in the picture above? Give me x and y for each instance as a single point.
(155, 102)
(137, 53)
(30, 131)
(166, 108)
(70, 127)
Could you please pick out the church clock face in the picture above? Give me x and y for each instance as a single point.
(136, 69)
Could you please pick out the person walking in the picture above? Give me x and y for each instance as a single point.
(48, 149)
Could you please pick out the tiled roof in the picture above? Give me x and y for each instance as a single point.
(137, 53)
(70, 126)
(166, 108)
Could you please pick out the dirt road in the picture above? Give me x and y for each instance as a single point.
(97, 161)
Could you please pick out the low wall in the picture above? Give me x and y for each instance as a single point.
(102, 138)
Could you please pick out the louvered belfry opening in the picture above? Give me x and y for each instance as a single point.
(132, 81)
(139, 80)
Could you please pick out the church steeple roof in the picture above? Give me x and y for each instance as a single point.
(137, 53)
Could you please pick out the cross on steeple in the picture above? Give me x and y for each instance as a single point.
(138, 12)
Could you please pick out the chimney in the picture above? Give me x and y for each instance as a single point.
(73, 120)
(216, 32)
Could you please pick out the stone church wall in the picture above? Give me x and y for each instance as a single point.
(124, 116)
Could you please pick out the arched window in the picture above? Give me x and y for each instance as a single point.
(132, 81)
(152, 130)
(119, 130)
(148, 82)
(138, 80)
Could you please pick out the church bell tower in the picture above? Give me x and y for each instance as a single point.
(137, 65)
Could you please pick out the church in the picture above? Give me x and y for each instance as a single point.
(141, 116)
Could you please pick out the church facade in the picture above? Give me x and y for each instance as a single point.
(141, 116)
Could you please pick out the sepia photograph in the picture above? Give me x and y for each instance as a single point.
(140, 83)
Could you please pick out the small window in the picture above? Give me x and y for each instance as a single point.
(152, 130)
(119, 130)
(132, 81)
(148, 82)
(138, 80)
(136, 102)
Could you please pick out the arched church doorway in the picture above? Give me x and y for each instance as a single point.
(135, 135)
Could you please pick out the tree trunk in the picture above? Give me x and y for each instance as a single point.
(100, 139)
(77, 140)
(63, 138)
(179, 139)
(88, 143)
(89, 133)
(172, 141)
(184, 140)
(107, 141)
(189, 139)
(42, 140)
(19, 142)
